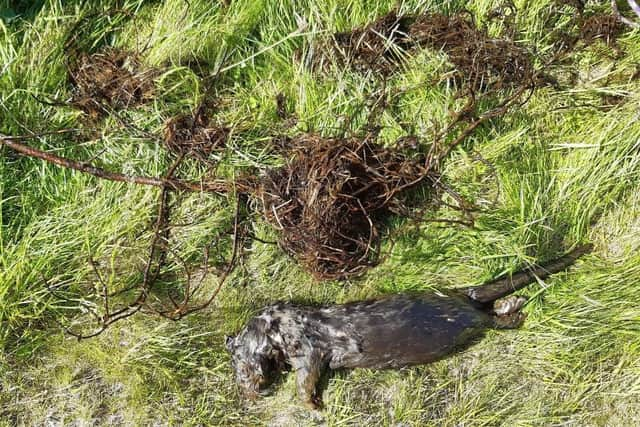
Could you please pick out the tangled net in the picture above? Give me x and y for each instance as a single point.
(331, 199)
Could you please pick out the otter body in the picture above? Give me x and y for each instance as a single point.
(392, 332)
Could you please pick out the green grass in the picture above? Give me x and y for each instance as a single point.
(565, 172)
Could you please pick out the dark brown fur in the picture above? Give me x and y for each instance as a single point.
(400, 330)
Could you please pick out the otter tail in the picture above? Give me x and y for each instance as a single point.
(508, 284)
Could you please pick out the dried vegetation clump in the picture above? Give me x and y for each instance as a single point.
(378, 46)
(481, 62)
(112, 79)
(191, 135)
(605, 28)
(331, 199)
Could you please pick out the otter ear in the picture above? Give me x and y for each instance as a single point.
(229, 340)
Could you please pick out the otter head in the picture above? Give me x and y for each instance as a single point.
(255, 360)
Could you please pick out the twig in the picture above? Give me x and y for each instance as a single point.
(157, 258)
(174, 184)
(105, 291)
(500, 110)
(230, 267)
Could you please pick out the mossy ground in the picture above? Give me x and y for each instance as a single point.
(564, 168)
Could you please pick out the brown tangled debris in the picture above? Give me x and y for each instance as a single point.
(480, 61)
(191, 135)
(331, 199)
(111, 79)
(604, 28)
(329, 202)
(378, 46)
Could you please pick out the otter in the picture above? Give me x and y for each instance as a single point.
(389, 332)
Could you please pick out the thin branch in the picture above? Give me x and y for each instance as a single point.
(174, 184)
(105, 291)
(500, 110)
(230, 267)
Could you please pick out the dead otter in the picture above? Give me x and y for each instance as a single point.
(391, 332)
